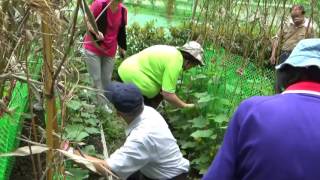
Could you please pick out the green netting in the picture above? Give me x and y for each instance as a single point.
(10, 126)
(240, 78)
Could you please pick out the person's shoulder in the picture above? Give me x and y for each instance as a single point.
(309, 23)
(151, 119)
(122, 6)
(100, 1)
(255, 105)
(163, 47)
(97, 4)
(150, 113)
(161, 50)
(255, 102)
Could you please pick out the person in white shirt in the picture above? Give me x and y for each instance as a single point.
(150, 150)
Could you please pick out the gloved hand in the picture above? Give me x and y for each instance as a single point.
(122, 53)
(189, 106)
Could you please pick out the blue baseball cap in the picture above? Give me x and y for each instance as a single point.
(305, 54)
(126, 98)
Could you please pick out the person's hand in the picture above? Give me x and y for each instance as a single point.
(100, 36)
(65, 145)
(298, 20)
(273, 60)
(189, 106)
(122, 53)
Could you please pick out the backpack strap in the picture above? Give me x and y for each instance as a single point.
(101, 23)
(102, 20)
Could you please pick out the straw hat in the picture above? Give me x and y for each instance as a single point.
(194, 49)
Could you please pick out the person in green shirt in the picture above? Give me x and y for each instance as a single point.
(155, 71)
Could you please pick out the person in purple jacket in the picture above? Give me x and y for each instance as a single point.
(277, 137)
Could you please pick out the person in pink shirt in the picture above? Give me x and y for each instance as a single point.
(100, 48)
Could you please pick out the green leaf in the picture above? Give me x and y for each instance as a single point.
(92, 130)
(81, 136)
(206, 99)
(92, 121)
(224, 101)
(85, 115)
(76, 132)
(74, 105)
(199, 122)
(90, 149)
(199, 95)
(202, 133)
(75, 119)
(188, 145)
(213, 137)
(221, 118)
(77, 173)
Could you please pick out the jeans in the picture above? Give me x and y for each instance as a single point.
(284, 56)
(100, 69)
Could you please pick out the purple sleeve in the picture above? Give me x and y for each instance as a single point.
(224, 165)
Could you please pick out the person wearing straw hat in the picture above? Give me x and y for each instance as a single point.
(155, 71)
(277, 137)
(150, 150)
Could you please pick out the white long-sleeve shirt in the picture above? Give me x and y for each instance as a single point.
(149, 148)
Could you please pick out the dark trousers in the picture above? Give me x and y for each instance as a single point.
(153, 102)
(284, 56)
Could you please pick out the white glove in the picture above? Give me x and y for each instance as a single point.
(189, 106)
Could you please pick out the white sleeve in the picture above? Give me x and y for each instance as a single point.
(131, 157)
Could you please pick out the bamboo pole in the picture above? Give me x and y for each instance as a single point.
(51, 121)
(194, 9)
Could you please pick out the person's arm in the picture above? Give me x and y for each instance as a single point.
(98, 34)
(275, 43)
(122, 34)
(169, 82)
(311, 31)
(95, 8)
(99, 164)
(131, 157)
(173, 99)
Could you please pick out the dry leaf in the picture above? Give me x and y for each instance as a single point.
(83, 161)
(25, 151)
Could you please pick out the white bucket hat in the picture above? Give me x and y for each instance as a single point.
(305, 54)
(194, 49)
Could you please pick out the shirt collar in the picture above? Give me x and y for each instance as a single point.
(304, 87)
(304, 24)
(133, 124)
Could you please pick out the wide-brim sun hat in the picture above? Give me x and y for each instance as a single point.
(305, 54)
(195, 50)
